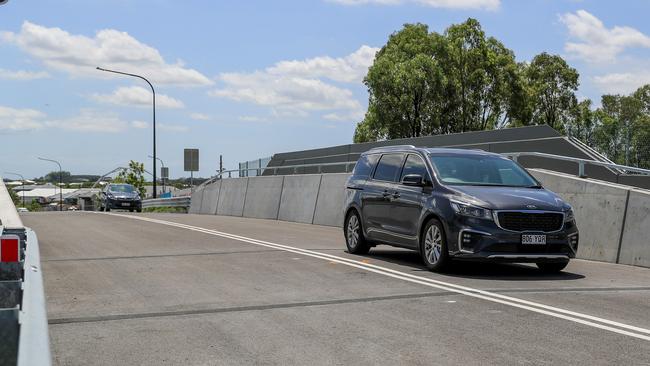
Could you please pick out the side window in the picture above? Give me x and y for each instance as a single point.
(364, 165)
(414, 165)
(389, 167)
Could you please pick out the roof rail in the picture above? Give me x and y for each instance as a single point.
(392, 147)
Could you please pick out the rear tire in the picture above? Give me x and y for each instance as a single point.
(354, 239)
(433, 246)
(555, 267)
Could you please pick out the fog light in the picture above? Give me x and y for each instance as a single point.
(468, 241)
(573, 241)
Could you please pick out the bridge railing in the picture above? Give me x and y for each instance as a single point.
(581, 163)
(24, 338)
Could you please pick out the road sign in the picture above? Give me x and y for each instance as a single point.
(164, 172)
(191, 160)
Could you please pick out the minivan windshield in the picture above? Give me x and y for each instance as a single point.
(125, 188)
(481, 170)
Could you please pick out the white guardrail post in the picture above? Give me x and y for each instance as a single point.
(24, 337)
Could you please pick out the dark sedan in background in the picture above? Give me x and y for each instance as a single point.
(121, 197)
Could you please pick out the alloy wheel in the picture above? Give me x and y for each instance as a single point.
(433, 244)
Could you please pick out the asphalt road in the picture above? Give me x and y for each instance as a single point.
(164, 289)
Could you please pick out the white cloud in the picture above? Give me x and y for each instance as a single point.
(172, 128)
(622, 83)
(293, 88)
(352, 116)
(595, 42)
(251, 119)
(199, 117)
(137, 96)
(90, 120)
(350, 68)
(79, 55)
(22, 75)
(139, 124)
(449, 4)
(20, 119)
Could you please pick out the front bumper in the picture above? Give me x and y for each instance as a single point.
(126, 204)
(478, 239)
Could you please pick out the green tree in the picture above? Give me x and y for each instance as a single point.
(14, 196)
(582, 122)
(53, 177)
(552, 85)
(34, 206)
(133, 175)
(424, 83)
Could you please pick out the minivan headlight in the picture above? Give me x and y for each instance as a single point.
(466, 209)
(569, 216)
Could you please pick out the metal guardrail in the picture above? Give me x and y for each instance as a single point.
(581, 162)
(24, 337)
(183, 202)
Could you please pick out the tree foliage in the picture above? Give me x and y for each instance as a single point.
(423, 83)
(133, 175)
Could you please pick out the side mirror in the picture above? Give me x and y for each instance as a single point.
(413, 180)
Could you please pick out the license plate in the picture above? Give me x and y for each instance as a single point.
(126, 204)
(529, 239)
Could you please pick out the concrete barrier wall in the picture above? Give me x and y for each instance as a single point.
(196, 201)
(263, 197)
(635, 246)
(210, 198)
(298, 200)
(330, 201)
(232, 196)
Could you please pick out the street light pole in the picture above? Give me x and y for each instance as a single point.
(60, 181)
(154, 118)
(23, 185)
(162, 165)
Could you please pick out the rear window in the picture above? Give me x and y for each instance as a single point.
(364, 165)
(389, 167)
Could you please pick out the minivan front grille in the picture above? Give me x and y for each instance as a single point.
(530, 221)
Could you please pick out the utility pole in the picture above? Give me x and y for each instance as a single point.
(60, 182)
(220, 165)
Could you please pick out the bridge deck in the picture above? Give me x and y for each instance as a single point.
(125, 291)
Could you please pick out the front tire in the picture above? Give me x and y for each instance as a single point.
(354, 239)
(554, 267)
(433, 246)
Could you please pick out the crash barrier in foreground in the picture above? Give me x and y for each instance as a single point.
(181, 202)
(24, 336)
(614, 220)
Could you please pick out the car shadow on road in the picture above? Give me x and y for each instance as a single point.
(474, 270)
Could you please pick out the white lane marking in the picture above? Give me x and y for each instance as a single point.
(468, 291)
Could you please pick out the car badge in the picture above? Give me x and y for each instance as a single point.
(531, 207)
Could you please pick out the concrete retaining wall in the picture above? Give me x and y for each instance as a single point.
(196, 201)
(298, 200)
(263, 197)
(232, 196)
(330, 201)
(635, 246)
(210, 198)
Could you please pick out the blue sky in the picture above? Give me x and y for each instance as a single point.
(247, 79)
